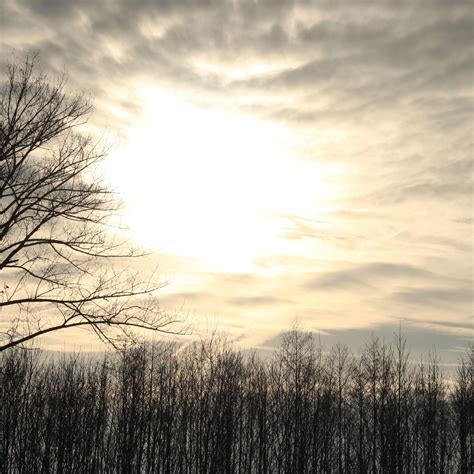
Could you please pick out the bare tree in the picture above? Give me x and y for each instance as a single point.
(207, 407)
(59, 267)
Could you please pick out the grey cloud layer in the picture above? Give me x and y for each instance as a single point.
(395, 79)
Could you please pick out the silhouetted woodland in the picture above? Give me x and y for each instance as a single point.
(207, 407)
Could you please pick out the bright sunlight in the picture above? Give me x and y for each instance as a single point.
(210, 184)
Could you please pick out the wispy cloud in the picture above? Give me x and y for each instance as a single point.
(382, 91)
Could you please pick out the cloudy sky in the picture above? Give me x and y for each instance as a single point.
(284, 160)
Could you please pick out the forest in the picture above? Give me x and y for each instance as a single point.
(210, 407)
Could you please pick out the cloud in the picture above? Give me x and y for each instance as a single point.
(435, 297)
(257, 301)
(382, 90)
(367, 274)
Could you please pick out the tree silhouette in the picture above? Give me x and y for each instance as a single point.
(59, 267)
(206, 407)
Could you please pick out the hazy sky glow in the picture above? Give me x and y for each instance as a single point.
(284, 159)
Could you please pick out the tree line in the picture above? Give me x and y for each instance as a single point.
(207, 407)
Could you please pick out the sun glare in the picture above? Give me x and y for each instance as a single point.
(211, 184)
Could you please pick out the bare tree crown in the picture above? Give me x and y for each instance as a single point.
(56, 257)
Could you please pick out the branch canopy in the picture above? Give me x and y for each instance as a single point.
(59, 265)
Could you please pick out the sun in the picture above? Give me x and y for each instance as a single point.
(210, 184)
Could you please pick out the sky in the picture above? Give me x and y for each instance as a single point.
(283, 160)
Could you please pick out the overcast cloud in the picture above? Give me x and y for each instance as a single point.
(381, 92)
